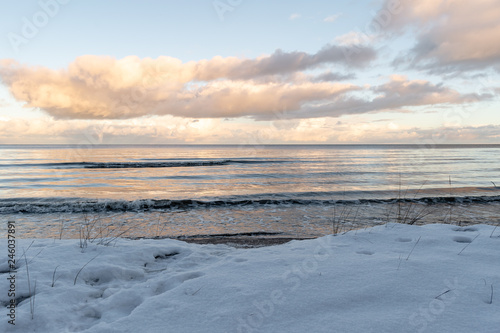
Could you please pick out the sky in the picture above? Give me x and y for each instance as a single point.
(249, 72)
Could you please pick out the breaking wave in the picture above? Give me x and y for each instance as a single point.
(74, 205)
(134, 165)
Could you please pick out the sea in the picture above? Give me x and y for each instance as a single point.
(65, 191)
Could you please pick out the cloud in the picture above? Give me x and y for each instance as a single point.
(98, 87)
(329, 76)
(396, 95)
(168, 129)
(331, 18)
(451, 35)
(285, 62)
(113, 95)
(354, 38)
(105, 88)
(130, 71)
(457, 134)
(294, 16)
(266, 88)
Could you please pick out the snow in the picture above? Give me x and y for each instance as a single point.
(389, 278)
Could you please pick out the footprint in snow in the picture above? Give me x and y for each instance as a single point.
(369, 253)
(462, 239)
(403, 239)
(240, 260)
(175, 281)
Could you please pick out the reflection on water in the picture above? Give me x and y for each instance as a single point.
(263, 170)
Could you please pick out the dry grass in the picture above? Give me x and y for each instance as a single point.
(81, 269)
(31, 292)
(343, 219)
(408, 210)
(96, 229)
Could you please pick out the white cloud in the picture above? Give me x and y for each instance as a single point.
(353, 38)
(294, 16)
(331, 18)
(168, 129)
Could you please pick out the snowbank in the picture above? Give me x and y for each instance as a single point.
(390, 278)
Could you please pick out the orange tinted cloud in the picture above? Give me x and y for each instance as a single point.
(265, 88)
(95, 87)
(452, 35)
(114, 89)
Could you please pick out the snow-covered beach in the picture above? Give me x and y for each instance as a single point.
(389, 278)
(247, 166)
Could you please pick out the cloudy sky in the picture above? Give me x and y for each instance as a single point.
(254, 72)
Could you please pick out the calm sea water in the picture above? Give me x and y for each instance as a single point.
(290, 190)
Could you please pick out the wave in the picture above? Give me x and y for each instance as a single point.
(134, 165)
(64, 205)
